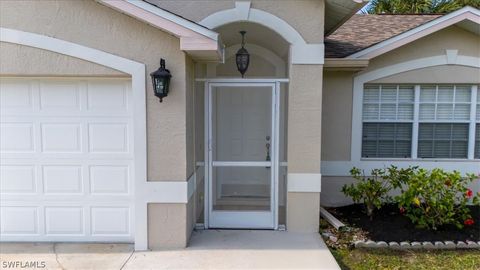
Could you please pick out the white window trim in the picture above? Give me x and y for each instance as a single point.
(341, 168)
(416, 121)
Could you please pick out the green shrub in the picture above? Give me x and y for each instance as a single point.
(371, 191)
(434, 198)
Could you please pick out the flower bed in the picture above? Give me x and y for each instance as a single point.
(389, 224)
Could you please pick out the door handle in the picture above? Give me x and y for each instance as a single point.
(267, 146)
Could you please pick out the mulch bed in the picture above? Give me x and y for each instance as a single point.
(389, 225)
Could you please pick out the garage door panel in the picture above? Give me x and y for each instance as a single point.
(59, 96)
(62, 179)
(15, 95)
(66, 160)
(106, 96)
(108, 137)
(16, 137)
(108, 179)
(19, 220)
(17, 179)
(110, 221)
(64, 221)
(61, 137)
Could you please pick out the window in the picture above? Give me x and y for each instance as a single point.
(443, 140)
(420, 121)
(387, 118)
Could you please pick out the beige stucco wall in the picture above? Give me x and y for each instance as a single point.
(94, 25)
(304, 118)
(437, 74)
(306, 16)
(190, 115)
(451, 38)
(27, 61)
(168, 225)
(304, 143)
(337, 115)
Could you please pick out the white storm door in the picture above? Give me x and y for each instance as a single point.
(242, 155)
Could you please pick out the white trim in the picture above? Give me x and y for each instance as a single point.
(241, 219)
(242, 80)
(304, 182)
(466, 13)
(473, 116)
(137, 72)
(416, 113)
(174, 18)
(341, 168)
(241, 163)
(301, 52)
(360, 80)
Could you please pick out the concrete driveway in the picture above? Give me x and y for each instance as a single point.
(210, 249)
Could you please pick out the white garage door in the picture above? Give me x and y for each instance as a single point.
(66, 160)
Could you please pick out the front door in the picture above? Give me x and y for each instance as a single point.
(242, 155)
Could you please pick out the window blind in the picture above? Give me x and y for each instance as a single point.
(387, 140)
(445, 102)
(444, 119)
(443, 140)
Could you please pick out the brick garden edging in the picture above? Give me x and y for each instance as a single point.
(417, 245)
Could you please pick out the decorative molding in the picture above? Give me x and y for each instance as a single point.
(451, 56)
(466, 13)
(301, 52)
(304, 182)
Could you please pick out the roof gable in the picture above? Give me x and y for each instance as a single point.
(368, 36)
(466, 13)
(363, 31)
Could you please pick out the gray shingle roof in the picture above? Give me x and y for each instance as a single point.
(362, 31)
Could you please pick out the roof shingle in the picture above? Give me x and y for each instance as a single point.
(362, 31)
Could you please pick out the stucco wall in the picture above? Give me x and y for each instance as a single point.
(94, 25)
(437, 74)
(306, 16)
(337, 115)
(168, 225)
(27, 61)
(451, 38)
(190, 115)
(304, 143)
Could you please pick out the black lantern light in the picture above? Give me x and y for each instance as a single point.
(161, 80)
(242, 56)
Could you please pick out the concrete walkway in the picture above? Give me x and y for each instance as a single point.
(209, 249)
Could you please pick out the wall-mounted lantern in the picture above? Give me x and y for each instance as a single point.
(161, 80)
(242, 56)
